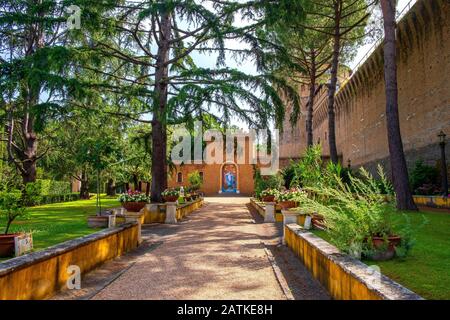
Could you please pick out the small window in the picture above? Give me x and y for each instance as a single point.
(201, 175)
(179, 177)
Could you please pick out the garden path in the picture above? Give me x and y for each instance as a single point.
(221, 251)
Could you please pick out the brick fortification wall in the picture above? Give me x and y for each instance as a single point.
(424, 97)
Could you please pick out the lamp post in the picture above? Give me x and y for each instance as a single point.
(442, 141)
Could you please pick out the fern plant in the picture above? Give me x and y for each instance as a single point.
(357, 211)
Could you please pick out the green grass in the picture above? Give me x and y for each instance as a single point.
(426, 270)
(55, 223)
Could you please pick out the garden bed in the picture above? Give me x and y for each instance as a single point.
(156, 213)
(55, 223)
(425, 270)
(260, 207)
(344, 277)
(40, 275)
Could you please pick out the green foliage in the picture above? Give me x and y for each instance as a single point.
(308, 171)
(269, 192)
(11, 206)
(293, 194)
(195, 180)
(423, 179)
(262, 183)
(356, 212)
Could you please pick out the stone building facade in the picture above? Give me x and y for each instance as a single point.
(233, 177)
(424, 98)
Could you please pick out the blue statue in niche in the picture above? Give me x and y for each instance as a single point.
(230, 182)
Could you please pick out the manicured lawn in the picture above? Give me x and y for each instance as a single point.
(426, 270)
(55, 223)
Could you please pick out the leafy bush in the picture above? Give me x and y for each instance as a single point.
(423, 179)
(269, 192)
(308, 171)
(195, 180)
(11, 206)
(267, 182)
(291, 195)
(356, 212)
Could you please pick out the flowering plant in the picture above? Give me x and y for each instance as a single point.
(133, 196)
(294, 194)
(170, 192)
(269, 192)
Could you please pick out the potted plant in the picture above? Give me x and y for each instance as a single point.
(269, 195)
(11, 207)
(170, 195)
(288, 199)
(133, 201)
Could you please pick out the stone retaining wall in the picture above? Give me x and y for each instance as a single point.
(39, 275)
(345, 278)
(155, 213)
(433, 201)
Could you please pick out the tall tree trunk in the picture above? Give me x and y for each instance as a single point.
(147, 189)
(30, 153)
(84, 188)
(397, 156)
(309, 116)
(136, 183)
(333, 83)
(159, 133)
(110, 187)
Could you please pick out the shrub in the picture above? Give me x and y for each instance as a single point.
(308, 171)
(355, 213)
(267, 182)
(291, 195)
(269, 192)
(195, 180)
(423, 179)
(11, 206)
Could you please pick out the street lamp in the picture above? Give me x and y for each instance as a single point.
(442, 142)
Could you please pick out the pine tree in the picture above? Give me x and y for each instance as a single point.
(156, 42)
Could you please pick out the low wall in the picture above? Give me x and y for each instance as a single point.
(157, 212)
(345, 278)
(261, 209)
(39, 275)
(433, 201)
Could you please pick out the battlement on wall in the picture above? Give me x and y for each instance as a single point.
(426, 17)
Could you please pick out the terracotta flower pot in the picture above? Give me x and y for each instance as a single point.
(7, 244)
(385, 253)
(286, 205)
(318, 221)
(268, 198)
(170, 198)
(134, 206)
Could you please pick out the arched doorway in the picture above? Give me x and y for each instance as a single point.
(229, 178)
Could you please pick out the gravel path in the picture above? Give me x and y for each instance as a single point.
(218, 252)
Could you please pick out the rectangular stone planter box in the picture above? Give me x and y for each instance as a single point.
(156, 213)
(344, 277)
(260, 208)
(39, 275)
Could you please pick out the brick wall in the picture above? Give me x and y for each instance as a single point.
(424, 97)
